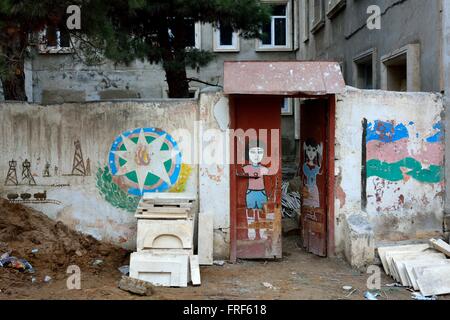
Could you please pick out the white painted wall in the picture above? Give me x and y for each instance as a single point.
(419, 215)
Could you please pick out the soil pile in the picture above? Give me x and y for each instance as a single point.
(50, 247)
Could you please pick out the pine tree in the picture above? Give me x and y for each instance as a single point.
(123, 31)
(155, 30)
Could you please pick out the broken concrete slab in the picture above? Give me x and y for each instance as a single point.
(441, 246)
(205, 238)
(399, 263)
(160, 269)
(165, 234)
(412, 247)
(435, 281)
(136, 286)
(360, 243)
(416, 264)
(195, 270)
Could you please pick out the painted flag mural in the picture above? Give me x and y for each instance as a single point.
(399, 159)
(391, 155)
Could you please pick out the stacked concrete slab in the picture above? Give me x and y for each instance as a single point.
(165, 241)
(419, 266)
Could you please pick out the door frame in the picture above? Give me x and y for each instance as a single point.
(331, 129)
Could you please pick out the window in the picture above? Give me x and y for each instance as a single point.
(287, 107)
(277, 33)
(192, 33)
(226, 40)
(55, 39)
(317, 18)
(400, 70)
(334, 6)
(364, 74)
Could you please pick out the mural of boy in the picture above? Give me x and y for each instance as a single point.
(256, 195)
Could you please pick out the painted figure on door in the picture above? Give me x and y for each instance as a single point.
(312, 168)
(256, 195)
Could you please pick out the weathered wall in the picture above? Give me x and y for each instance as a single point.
(55, 72)
(446, 75)
(95, 198)
(214, 170)
(389, 164)
(345, 36)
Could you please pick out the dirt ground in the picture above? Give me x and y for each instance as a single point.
(297, 275)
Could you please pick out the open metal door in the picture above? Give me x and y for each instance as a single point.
(313, 171)
(256, 180)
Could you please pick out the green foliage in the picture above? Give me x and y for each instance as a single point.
(112, 192)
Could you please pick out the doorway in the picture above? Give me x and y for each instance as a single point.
(256, 184)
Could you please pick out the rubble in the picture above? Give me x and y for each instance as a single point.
(136, 286)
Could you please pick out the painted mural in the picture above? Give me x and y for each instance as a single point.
(142, 160)
(259, 220)
(396, 152)
(311, 169)
(402, 159)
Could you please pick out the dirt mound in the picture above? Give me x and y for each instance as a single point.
(23, 230)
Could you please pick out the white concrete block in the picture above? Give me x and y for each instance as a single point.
(426, 262)
(399, 264)
(435, 281)
(205, 238)
(160, 269)
(165, 234)
(441, 246)
(194, 270)
(383, 250)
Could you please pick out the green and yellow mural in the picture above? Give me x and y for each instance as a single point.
(142, 160)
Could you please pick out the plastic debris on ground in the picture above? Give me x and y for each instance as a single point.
(97, 262)
(22, 265)
(218, 262)
(269, 285)
(35, 251)
(347, 288)
(124, 270)
(418, 296)
(47, 279)
(370, 296)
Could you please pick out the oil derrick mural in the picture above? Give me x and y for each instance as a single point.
(11, 177)
(46, 172)
(79, 168)
(27, 177)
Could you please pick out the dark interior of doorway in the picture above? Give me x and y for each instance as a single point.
(292, 175)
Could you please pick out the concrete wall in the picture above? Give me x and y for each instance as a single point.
(389, 165)
(345, 36)
(55, 72)
(100, 201)
(446, 75)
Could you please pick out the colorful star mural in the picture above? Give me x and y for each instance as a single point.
(145, 160)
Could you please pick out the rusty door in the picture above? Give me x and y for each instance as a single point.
(256, 177)
(313, 171)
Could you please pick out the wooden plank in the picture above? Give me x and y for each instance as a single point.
(435, 281)
(195, 270)
(441, 246)
(413, 247)
(205, 238)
